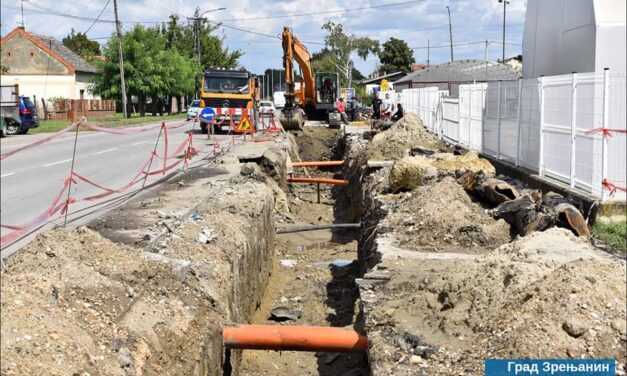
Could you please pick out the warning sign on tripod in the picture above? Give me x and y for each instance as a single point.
(244, 125)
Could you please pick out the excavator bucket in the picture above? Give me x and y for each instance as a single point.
(292, 120)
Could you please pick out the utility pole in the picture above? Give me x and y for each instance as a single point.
(119, 32)
(450, 30)
(485, 57)
(22, 11)
(272, 81)
(196, 28)
(428, 52)
(505, 2)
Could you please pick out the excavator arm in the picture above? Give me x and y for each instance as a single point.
(293, 49)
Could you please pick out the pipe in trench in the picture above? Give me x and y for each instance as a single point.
(287, 230)
(317, 163)
(294, 338)
(343, 183)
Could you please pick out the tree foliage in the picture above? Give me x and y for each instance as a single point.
(213, 53)
(82, 46)
(396, 56)
(161, 61)
(150, 69)
(339, 49)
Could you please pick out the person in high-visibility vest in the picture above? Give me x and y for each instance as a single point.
(342, 110)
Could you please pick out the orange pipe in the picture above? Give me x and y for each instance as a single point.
(317, 163)
(343, 183)
(294, 338)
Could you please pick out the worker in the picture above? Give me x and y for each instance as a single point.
(386, 107)
(342, 110)
(353, 108)
(399, 112)
(376, 106)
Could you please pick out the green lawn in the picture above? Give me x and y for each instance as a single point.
(113, 122)
(613, 233)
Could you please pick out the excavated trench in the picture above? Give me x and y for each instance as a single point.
(313, 273)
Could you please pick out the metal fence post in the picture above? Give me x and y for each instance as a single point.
(606, 125)
(518, 122)
(498, 116)
(541, 147)
(573, 130)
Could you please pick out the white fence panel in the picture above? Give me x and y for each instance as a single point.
(491, 119)
(529, 142)
(617, 144)
(556, 127)
(464, 115)
(450, 119)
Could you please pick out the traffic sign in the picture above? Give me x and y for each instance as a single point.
(244, 125)
(207, 114)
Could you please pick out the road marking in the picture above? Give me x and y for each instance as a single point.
(105, 151)
(141, 142)
(7, 174)
(56, 163)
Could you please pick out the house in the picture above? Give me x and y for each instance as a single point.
(374, 82)
(417, 67)
(44, 68)
(565, 36)
(449, 76)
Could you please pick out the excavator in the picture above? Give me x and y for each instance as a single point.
(317, 94)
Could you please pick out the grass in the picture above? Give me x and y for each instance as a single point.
(612, 233)
(117, 121)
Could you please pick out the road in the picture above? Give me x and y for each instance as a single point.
(30, 179)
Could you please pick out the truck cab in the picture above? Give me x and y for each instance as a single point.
(230, 94)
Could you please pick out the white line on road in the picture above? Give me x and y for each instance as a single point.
(105, 151)
(56, 163)
(141, 142)
(7, 174)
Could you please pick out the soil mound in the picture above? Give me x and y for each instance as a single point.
(442, 217)
(395, 143)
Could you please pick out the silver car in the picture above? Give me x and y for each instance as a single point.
(193, 109)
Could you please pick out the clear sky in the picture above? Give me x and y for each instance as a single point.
(415, 22)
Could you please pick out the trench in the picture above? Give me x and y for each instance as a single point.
(313, 273)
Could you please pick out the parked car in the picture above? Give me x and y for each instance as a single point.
(193, 109)
(28, 118)
(266, 108)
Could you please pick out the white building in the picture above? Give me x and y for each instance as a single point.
(565, 36)
(44, 68)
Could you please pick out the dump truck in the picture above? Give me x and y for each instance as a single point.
(229, 94)
(318, 92)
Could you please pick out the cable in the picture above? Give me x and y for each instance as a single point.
(447, 45)
(61, 14)
(319, 13)
(97, 18)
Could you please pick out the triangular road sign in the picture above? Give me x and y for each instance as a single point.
(244, 125)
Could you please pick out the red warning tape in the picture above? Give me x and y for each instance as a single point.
(37, 143)
(612, 187)
(607, 132)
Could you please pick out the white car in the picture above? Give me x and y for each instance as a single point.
(266, 108)
(193, 109)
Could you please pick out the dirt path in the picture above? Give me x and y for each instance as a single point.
(314, 275)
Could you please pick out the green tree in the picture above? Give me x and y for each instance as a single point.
(339, 49)
(396, 56)
(79, 43)
(150, 70)
(213, 53)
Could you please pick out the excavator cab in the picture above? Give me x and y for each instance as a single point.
(327, 90)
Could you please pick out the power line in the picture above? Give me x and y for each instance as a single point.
(447, 45)
(97, 18)
(326, 12)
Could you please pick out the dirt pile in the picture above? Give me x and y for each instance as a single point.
(395, 143)
(77, 303)
(442, 217)
(547, 295)
(411, 172)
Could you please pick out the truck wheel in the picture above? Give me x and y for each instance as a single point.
(203, 128)
(12, 128)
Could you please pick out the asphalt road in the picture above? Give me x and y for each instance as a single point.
(30, 179)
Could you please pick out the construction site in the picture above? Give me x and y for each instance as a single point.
(417, 260)
(447, 228)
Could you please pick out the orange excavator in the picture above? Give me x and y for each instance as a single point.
(317, 94)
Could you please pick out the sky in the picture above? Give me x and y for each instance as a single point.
(416, 22)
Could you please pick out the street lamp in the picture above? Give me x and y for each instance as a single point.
(197, 28)
(505, 2)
